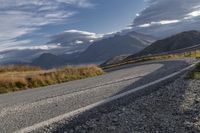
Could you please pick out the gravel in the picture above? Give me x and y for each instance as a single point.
(173, 108)
(26, 108)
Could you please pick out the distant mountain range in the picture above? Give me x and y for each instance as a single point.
(48, 60)
(110, 49)
(105, 49)
(99, 51)
(175, 42)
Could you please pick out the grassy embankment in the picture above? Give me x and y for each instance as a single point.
(16, 78)
(195, 73)
(187, 54)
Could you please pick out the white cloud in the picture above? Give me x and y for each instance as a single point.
(48, 3)
(78, 42)
(163, 22)
(74, 40)
(192, 14)
(13, 44)
(160, 10)
(85, 33)
(166, 17)
(80, 3)
(144, 25)
(21, 17)
(41, 47)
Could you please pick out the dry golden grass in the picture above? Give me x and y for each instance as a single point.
(187, 54)
(21, 79)
(18, 68)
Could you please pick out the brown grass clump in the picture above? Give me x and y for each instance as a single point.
(21, 79)
(18, 68)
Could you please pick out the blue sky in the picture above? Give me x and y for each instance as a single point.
(30, 22)
(107, 15)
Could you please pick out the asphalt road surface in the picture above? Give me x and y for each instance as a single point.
(23, 109)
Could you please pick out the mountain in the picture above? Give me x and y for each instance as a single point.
(175, 42)
(114, 60)
(74, 40)
(98, 51)
(116, 45)
(48, 60)
(18, 56)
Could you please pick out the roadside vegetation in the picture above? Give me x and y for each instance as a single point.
(16, 78)
(18, 68)
(186, 54)
(195, 73)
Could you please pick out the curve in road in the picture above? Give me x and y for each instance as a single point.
(48, 104)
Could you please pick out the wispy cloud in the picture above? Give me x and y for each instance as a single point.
(163, 22)
(79, 3)
(21, 17)
(74, 40)
(164, 16)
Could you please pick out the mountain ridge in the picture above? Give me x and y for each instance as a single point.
(98, 51)
(175, 42)
(105, 49)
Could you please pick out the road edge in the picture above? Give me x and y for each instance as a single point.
(102, 102)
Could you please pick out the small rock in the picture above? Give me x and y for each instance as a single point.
(71, 131)
(115, 120)
(111, 128)
(197, 101)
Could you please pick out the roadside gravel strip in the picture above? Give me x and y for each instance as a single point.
(32, 109)
(174, 108)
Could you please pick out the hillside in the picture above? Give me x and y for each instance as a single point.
(175, 42)
(48, 60)
(108, 48)
(99, 51)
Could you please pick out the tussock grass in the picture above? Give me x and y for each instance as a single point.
(195, 73)
(22, 78)
(186, 54)
(18, 68)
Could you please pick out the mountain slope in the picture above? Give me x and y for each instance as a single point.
(105, 49)
(178, 41)
(99, 51)
(48, 60)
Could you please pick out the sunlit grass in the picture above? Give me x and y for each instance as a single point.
(15, 78)
(195, 73)
(186, 54)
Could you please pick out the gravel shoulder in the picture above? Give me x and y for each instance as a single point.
(173, 108)
(31, 107)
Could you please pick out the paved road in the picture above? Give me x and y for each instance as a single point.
(26, 108)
